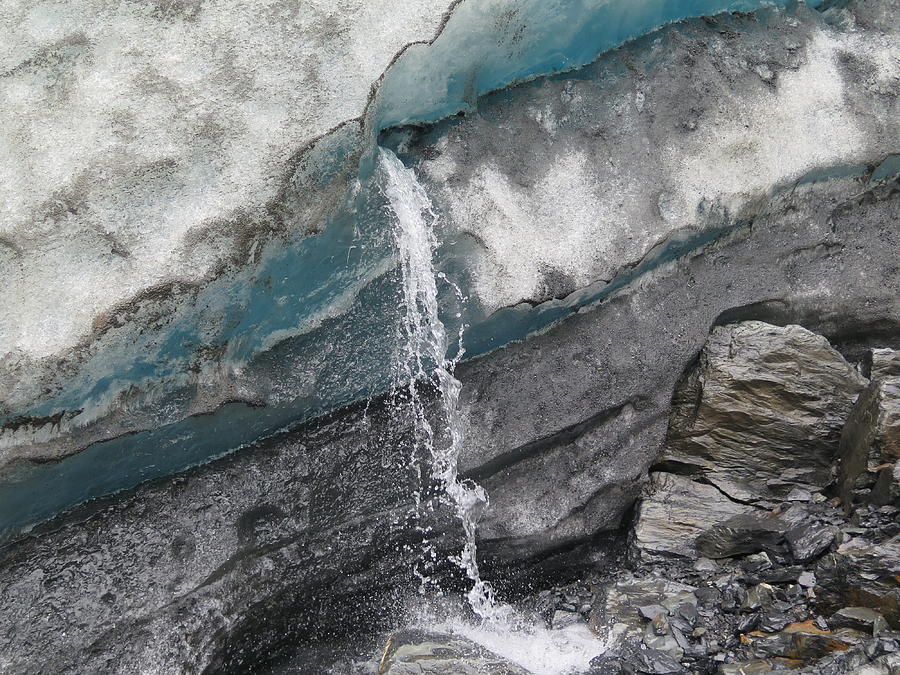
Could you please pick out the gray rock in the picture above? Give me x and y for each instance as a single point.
(807, 542)
(784, 392)
(424, 653)
(758, 597)
(886, 490)
(807, 579)
(871, 438)
(754, 667)
(652, 611)
(861, 574)
(882, 363)
(675, 511)
(773, 621)
(741, 535)
(860, 618)
(562, 619)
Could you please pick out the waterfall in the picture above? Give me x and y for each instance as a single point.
(424, 356)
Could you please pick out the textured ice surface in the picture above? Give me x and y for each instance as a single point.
(567, 181)
(135, 135)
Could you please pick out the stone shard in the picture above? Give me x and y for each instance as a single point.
(870, 443)
(762, 412)
(414, 652)
(741, 535)
(859, 618)
(807, 541)
(675, 511)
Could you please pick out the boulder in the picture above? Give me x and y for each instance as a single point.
(861, 573)
(742, 534)
(881, 363)
(870, 443)
(859, 618)
(414, 652)
(808, 541)
(762, 412)
(675, 510)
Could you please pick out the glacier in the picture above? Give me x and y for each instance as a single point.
(182, 280)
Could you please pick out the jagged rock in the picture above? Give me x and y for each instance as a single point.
(882, 363)
(871, 440)
(773, 621)
(803, 641)
(631, 659)
(758, 596)
(887, 486)
(757, 666)
(807, 542)
(675, 510)
(761, 413)
(858, 618)
(740, 535)
(562, 619)
(423, 653)
(861, 574)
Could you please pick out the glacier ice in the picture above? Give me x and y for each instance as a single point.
(197, 219)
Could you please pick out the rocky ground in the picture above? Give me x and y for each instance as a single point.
(768, 537)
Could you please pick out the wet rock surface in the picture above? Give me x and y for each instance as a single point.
(418, 653)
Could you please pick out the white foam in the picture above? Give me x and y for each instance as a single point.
(537, 649)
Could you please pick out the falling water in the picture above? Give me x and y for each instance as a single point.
(424, 355)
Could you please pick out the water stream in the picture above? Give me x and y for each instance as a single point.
(423, 356)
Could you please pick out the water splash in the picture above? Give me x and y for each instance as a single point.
(423, 357)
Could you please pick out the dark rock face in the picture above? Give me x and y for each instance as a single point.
(675, 510)
(870, 443)
(763, 410)
(221, 567)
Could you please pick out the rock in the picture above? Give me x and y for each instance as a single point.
(675, 510)
(882, 363)
(870, 440)
(886, 490)
(562, 619)
(662, 641)
(807, 542)
(421, 653)
(757, 666)
(859, 618)
(784, 392)
(807, 579)
(861, 574)
(629, 659)
(650, 612)
(706, 565)
(740, 535)
(758, 596)
(796, 641)
(773, 621)
(799, 494)
(784, 575)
